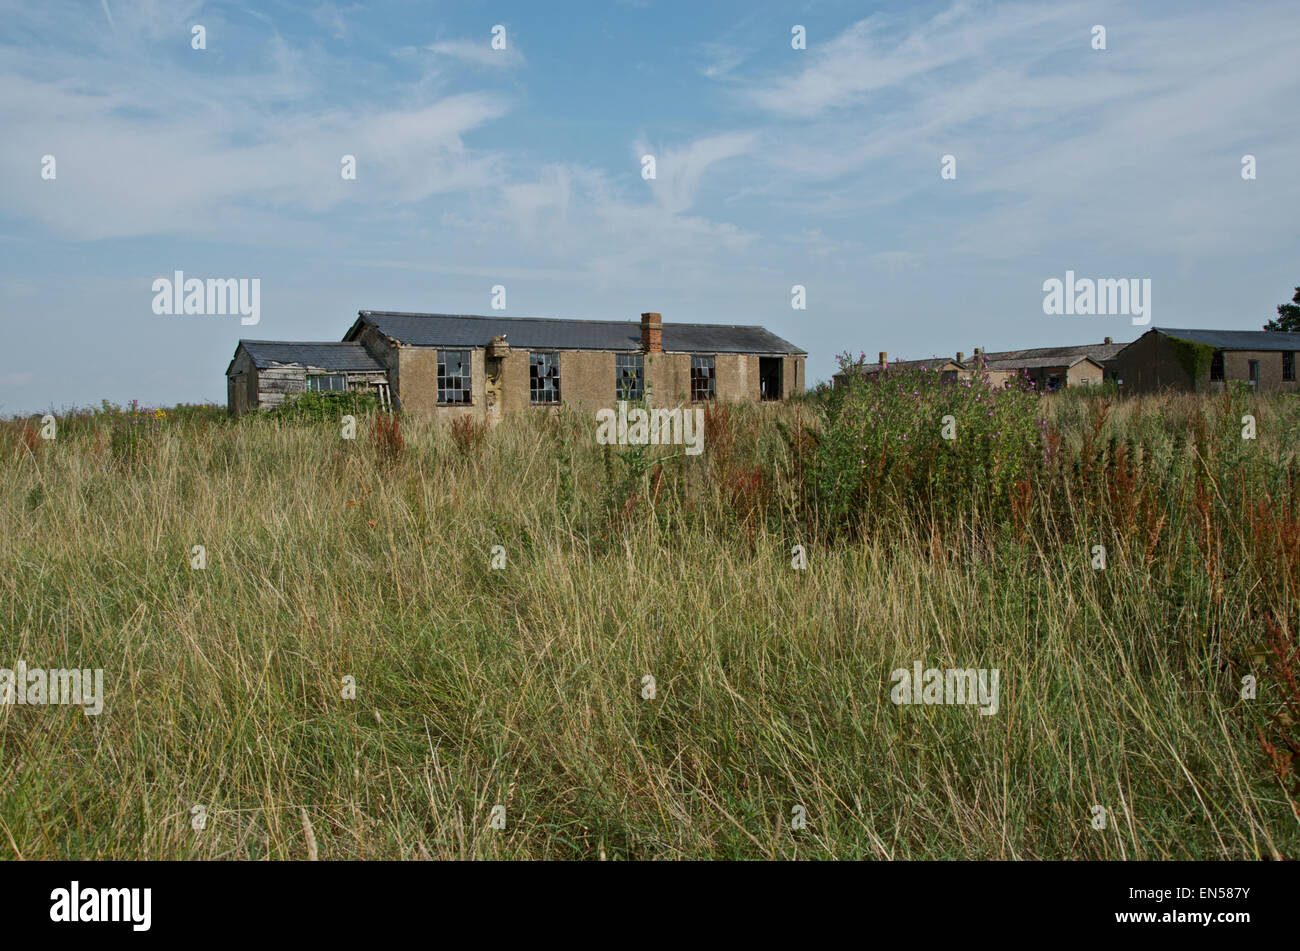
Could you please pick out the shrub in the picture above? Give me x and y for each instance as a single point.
(313, 405)
(469, 434)
(386, 438)
(883, 444)
(134, 432)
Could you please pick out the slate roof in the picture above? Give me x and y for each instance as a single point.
(1237, 339)
(1030, 358)
(933, 363)
(549, 333)
(1049, 356)
(327, 355)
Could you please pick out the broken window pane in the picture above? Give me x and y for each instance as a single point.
(702, 378)
(454, 377)
(544, 377)
(629, 376)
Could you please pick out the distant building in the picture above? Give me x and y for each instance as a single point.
(451, 365)
(1207, 360)
(948, 369)
(1051, 368)
(265, 373)
(1048, 368)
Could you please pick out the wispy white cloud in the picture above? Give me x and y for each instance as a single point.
(480, 52)
(680, 170)
(109, 14)
(333, 19)
(1136, 146)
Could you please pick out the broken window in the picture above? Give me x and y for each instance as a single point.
(702, 378)
(453, 377)
(1216, 365)
(327, 382)
(544, 377)
(629, 376)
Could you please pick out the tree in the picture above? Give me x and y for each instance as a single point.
(1288, 316)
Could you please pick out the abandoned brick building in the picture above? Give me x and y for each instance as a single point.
(1048, 368)
(1161, 359)
(1207, 360)
(452, 365)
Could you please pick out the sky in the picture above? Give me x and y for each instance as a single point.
(523, 168)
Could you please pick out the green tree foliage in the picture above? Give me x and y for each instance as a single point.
(1288, 316)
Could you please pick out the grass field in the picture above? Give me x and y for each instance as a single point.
(523, 686)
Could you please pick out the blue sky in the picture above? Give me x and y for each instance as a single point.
(522, 167)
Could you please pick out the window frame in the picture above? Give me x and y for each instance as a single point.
(1288, 366)
(629, 367)
(712, 377)
(466, 376)
(343, 377)
(551, 358)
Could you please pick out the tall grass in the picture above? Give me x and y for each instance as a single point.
(522, 686)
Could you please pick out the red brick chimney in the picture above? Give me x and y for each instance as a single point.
(884, 359)
(652, 333)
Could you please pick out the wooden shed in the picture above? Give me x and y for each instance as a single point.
(265, 373)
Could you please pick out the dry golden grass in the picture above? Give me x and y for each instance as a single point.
(523, 686)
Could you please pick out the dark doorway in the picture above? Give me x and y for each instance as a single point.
(769, 377)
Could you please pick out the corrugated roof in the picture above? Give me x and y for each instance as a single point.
(1237, 339)
(549, 333)
(328, 355)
